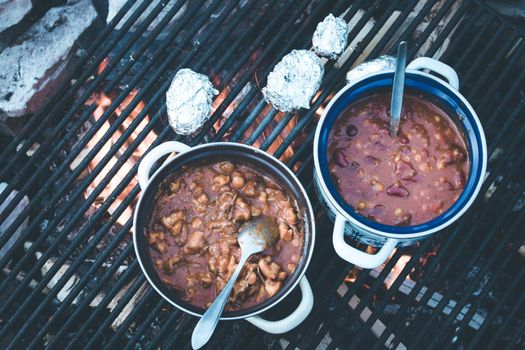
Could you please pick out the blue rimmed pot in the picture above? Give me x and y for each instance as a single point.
(346, 221)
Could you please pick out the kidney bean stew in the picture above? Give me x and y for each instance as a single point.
(406, 180)
(193, 234)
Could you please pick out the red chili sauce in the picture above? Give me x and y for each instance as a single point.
(406, 180)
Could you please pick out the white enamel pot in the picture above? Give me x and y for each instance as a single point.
(387, 238)
(235, 152)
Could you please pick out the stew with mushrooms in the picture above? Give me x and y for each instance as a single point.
(193, 234)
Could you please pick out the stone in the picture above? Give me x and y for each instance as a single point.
(12, 12)
(33, 69)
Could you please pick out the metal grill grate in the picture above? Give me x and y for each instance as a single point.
(466, 285)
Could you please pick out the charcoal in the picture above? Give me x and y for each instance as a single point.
(330, 37)
(11, 218)
(294, 81)
(12, 12)
(33, 69)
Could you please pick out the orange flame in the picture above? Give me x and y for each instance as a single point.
(102, 101)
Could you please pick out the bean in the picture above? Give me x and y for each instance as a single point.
(377, 186)
(458, 154)
(459, 179)
(351, 130)
(404, 220)
(340, 158)
(397, 190)
(405, 170)
(371, 160)
(242, 210)
(249, 188)
(291, 267)
(360, 205)
(379, 146)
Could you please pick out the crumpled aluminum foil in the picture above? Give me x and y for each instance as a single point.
(372, 66)
(294, 81)
(330, 37)
(188, 101)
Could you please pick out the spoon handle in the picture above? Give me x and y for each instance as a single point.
(206, 325)
(397, 88)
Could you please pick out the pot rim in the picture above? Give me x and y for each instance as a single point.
(282, 167)
(359, 224)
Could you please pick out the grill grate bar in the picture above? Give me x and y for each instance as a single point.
(137, 283)
(432, 280)
(29, 130)
(116, 146)
(108, 178)
(120, 283)
(327, 270)
(495, 312)
(138, 309)
(430, 28)
(145, 324)
(455, 22)
(503, 73)
(46, 163)
(487, 266)
(26, 170)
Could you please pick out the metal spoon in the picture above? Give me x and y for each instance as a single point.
(254, 236)
(397, 88)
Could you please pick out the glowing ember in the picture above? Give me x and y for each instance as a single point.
(102, 102)
(396, 271)
(266, 132)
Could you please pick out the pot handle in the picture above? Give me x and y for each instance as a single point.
(439, 67)
(152, 156)
(355, 256)
(294, 319)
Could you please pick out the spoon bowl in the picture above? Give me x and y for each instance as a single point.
(254, 236)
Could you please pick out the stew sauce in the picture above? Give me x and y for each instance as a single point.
(193, 234)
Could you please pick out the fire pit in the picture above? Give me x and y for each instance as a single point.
(70, 151)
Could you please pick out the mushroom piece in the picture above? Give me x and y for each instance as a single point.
(161, 247)
(272, 287)
(269, 269)
(154, 237)
(173, 222)
(241, 210)
(196, 242)
(285, 232)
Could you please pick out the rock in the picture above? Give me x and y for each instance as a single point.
(11, 218)
(12, 12)
(510, 8)
(34, 68)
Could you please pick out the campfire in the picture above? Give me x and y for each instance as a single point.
(69, 273)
